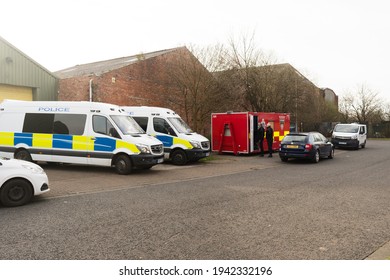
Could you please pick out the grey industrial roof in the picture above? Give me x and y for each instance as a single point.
(100, 67)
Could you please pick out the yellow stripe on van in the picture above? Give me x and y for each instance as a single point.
(83, 143)
(183, 142)
(7, 138)
(42, 140)
(126, 145)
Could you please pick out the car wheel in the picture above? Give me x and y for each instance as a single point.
(16, 192)
(123, 165)
(316, 157)
(23, 155)
(284, 159)
(179, 157)
(331, 154)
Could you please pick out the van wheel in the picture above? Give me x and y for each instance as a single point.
(179, 157)
(23, 155)
(16, 192)
(123, 165)
(363, 145)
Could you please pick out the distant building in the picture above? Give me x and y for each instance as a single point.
(278, 88)
(330, 96)
(22, 78)
(274, 87)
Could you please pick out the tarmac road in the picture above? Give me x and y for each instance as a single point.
(232, 207)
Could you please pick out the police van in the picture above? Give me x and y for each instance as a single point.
(78, 132)
(181, 144)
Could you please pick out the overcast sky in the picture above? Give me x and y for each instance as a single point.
(339, 44)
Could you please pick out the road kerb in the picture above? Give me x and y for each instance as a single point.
(383, 253)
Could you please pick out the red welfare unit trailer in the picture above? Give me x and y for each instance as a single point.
(237, 132)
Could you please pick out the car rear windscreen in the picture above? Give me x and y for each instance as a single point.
(294, 138)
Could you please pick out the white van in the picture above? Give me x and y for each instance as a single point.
(77, 132)
(181, 144)
(349, 135)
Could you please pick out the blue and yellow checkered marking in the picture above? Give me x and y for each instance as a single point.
(21, 138)
(63, 141)
(169, 141)
(165, 139)
(66, 142)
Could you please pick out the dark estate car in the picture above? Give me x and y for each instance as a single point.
(306, 145)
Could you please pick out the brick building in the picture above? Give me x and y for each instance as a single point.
(135, 80)
(171, 78)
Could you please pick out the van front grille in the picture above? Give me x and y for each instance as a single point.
(157, 149)
(206, 145)
(343, 137)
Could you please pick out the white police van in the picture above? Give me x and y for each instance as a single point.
(78, 132)
(181, 144)
(349, 135)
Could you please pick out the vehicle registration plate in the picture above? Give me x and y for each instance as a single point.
(342, 143)
(160, 160)
(292, 146)
(207, 154)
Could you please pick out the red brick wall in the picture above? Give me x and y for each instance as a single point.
(74, 89)
(145, 83)
(142, 83)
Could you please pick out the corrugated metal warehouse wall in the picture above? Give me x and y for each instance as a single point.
(23, 78)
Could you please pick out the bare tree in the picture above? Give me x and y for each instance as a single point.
(239, 77)
(363, 106)
(387, 112)
(258, 84)
(199, 93)
(248, 83)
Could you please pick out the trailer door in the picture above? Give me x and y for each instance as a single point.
(253, 133)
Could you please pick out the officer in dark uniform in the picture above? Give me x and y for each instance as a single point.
(269, 135)
(261, 138)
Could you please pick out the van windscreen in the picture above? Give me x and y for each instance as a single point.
(348, 128)
(180, 125)
(127, 125)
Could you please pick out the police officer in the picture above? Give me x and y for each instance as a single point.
(269, 135)
(261, 138)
